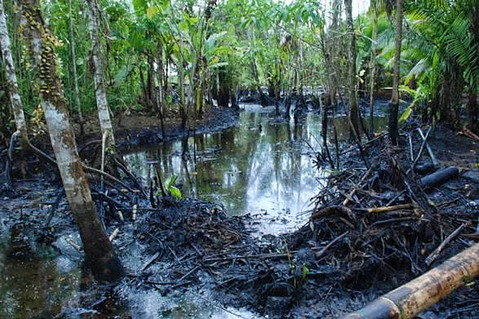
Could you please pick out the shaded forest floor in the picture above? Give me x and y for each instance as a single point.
(344, 257)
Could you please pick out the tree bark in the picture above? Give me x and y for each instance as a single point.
(353, 88)
(12, 82)
(98, 76)
(394, 102)
(161, 78)
(99, 251)
(372, 66)
(74, 66)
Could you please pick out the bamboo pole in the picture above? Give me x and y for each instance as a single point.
(424, 291)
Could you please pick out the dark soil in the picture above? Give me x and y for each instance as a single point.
(137, 129)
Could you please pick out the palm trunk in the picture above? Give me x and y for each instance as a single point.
(12, 78)
(394, 103)
(353, 101)
(99, 251)
(100, 91)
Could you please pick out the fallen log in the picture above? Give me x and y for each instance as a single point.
(424, 291)
(439, 177)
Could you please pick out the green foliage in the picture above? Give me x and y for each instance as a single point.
(170, 187)
(253, 43)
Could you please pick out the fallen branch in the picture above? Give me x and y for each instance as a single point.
(439, 177)
(424, 291)
(433, 256)
(385, 209)
(355, 188)
(469, 134)
(421, 149)
(429, 149)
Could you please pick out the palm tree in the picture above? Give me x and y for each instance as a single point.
(394, 102)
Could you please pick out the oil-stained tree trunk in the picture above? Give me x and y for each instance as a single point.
(12, 78)
(394, 102)
(353, 100)
(99, 251)
(99, 78)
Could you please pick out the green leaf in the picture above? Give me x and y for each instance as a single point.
(175, 192)
(405, 115)
(151, 11)
(140, 6)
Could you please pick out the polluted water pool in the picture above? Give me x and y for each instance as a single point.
(263, 167)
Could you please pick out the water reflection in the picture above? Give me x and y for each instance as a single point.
(35, 288)
(260, 166)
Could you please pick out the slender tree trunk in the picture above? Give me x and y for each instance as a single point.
(99, 251)
(394, 102)
(161, 93)
(224, 87)
(336, 8)
(353, 88)
(99, 78)
(372, 66)
(12, 78)
(74, 66)
(333, 74)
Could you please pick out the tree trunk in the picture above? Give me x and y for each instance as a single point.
(12, 83)
(100, 255)
(353, 100)
(161, 92)
(224, 87)
(394, 102)
(74, 66)
(100, 91)
(372, 66)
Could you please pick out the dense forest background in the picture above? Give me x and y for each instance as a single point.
(171, 59)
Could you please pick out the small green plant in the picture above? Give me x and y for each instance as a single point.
(170, 187)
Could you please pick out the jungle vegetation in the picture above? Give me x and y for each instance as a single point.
(174, 57)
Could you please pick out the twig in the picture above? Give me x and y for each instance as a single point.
(73, 244)
(421, 149)
(188, 273)
(351, 194)
(133, 212)
(433, 256)
(332, 242)
(149, 262)
(385, 209)
(114, 234)
(51, 211)
(429, 149)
